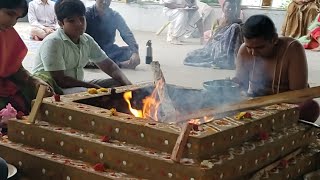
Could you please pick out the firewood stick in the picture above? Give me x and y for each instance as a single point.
(285, 97)
(181, 142)
(36, 106)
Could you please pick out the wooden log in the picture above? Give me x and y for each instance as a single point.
(36, 106)
(166, 108)
(285, 97)
(181, 142)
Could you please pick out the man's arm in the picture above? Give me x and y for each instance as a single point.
(112, 69)
(126, 34)
(24, 78)
(297, 67)
(69, 82)
(32, 16)
(242, 71)
(99, 57)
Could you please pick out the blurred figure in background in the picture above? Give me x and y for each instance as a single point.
(42, 18)
(185, 16)
(102, 24)
(221, 49)
(300, 14)
(312, 39)
(17, 86)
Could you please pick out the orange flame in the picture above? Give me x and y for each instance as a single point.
(127, 96)
(150, 104)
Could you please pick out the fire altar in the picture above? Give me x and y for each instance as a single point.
(94, 136)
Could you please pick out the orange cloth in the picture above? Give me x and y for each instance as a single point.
(12, 52)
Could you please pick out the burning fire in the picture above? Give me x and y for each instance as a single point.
(150, 104)
(195, 121)
(127, 96)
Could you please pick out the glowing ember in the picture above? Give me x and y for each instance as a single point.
(127, 96)
(194, 121)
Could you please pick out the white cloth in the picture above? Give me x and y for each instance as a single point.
(183, 21)
(42, 14)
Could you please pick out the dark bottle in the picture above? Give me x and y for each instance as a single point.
(149, 52)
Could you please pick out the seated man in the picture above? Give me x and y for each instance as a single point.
(222, 47)
(102, 24)
(42, 18)
(267, 64)
(3, 169)
(63, 54)
(184, 18)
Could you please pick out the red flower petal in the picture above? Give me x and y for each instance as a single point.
(99, 167)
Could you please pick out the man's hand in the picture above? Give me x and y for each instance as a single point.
(132, 63)
(48, 30)
(308, 35)
(135, 59)
(36, 82)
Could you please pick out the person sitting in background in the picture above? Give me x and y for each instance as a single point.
(102, 24)
(184, 18)
(222, 48)
(312, 39)
(63, 54)
(17, 86)
(267, 64)
(42, 18)
(300, 14)
(3, 169)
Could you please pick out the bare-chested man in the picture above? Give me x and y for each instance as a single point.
(267, 64)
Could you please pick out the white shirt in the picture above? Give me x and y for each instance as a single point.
(42, 14)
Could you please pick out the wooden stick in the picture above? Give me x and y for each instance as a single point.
(36, 106)
(181, 142)
(285, 97)
(162, 28)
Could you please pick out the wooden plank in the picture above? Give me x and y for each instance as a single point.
(181, 142)
(36, 106)
(285, 97)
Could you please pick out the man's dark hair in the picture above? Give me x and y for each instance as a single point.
(259, 26)
(15, 4)
(69, 8)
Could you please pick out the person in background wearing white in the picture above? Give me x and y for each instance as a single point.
(42, 18)
(184, 18)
